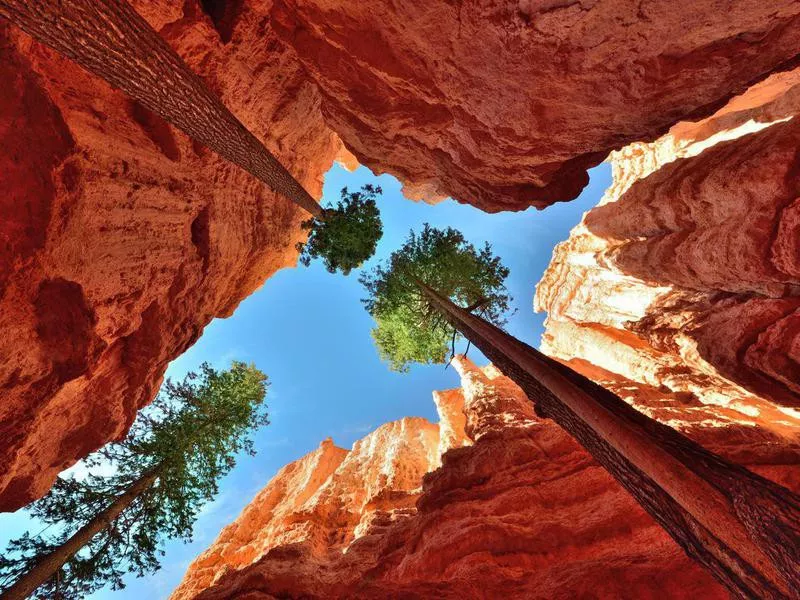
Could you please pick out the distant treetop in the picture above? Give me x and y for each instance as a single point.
(140, 491)
(346, 236)
(408, 328)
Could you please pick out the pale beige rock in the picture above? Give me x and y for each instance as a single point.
(684, 277)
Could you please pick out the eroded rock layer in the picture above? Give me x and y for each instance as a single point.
(121, 238)
(517, 509)
(505, 104)
(686, 275)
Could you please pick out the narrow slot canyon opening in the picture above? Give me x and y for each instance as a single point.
(352, 392)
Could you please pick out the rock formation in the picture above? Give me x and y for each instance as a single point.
(506, 104)
(517, 509)
(122, 239)
(685, 277)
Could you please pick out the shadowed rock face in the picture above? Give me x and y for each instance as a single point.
(505, 105)
(122, 239)
(686, 274)
(517, 509)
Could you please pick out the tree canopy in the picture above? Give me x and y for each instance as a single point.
(346, 236)
(189, 438)
(408, 328)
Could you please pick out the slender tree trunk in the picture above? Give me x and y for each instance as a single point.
(738, 525)
(49, 564)
(110, 39)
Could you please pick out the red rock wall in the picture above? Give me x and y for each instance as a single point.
(686, 274)
(122, 239)
(519, 511)
(506, 104)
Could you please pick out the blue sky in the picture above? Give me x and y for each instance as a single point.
(308, 331)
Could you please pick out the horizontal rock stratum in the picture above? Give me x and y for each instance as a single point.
(491, 502)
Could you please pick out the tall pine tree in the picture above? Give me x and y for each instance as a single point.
(741, 527)
(140, 491)
(409, 329)
(344, 236)
(111, 40)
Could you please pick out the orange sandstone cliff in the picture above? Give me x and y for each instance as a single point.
(686, 276)
(491, 502)
(506, 104)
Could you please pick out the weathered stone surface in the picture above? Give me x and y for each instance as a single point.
(686, 274)
(521, 511)
(505, 104)
(122, 239)
(328, 499)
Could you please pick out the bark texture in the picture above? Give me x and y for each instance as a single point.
(112, 41)
(517, 509)
(743, 528)
(686, 274)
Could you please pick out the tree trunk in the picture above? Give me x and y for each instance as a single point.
(738, 525)
(51, 563)
(110, 39)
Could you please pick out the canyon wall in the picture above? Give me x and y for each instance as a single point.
(122, 239)
(506, 104)
(685, 276)
(491, 502)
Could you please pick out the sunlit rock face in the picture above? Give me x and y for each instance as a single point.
(121, 239)
(686, 275)
(517, 509)
(320, 505)
(505, 104)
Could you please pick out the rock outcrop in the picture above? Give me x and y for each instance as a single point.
(121, 238)
(517, 509)
(685, 277)
(506, 104)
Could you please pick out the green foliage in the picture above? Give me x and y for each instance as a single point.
(346, 236)
(408, 328)
(190, 434)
